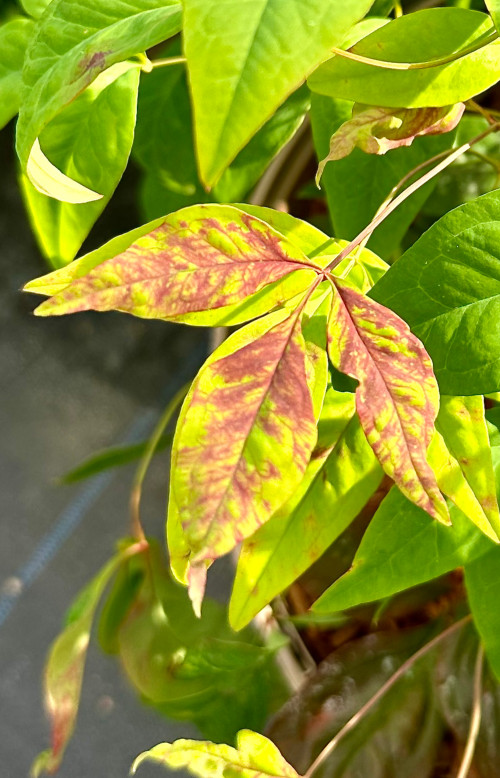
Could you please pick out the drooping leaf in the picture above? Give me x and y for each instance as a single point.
(66, 663)
(244, 438)
(416, 37)
(342, 474)
(377, 130)
(357, 185)
(273, 48)
(403, 547)
(462, 423)
(482, 579)
(400, 737)
(253, 757)
(205, 265)
(89, 140)
(75, 42)
(447, 287)
(397, 398)
(14, 39)
(116, 456)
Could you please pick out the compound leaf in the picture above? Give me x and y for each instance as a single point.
(397, 398)
(416, 37)
(273, 47)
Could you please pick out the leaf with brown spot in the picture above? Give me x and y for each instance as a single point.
(397, 398)
(205, 264)
(376, 130)
(66, 663)
(243, 441)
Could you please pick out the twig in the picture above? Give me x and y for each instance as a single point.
(367, 707)
(475, 721)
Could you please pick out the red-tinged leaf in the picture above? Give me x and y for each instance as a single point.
(244, 438)
(376, 130)
(206, 264)
(66, 663)
(397, 398)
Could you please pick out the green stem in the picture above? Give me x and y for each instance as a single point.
(366, 708)
(150, 64)
(136, 492)
(485, 40)
(394, 203)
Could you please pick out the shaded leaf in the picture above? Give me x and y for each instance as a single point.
(376, 130)
(416, 37)
(352, 207)
(482, 581)
(273, 48)
(91, 140)
(342, 474)
(399, 737)
(462, 423)
(403, 547)
(447, 287)
(397, 398)
(254, 756)
(74, 43)
(66, 663)
(244, 437)
(206, 264)
(15, 36)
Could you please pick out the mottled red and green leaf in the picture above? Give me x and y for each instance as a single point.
(397, 398)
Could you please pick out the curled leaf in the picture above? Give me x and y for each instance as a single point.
(50, 181)
(376, 130)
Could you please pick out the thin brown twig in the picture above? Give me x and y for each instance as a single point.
(475, 721)
(367, 707)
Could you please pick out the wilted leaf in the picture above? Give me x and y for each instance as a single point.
(421, 36)
(66, 663)
(75, 42)
(342, 474)
(14, 39)
(397, 398)
(244, 437)
(205, 264)
(376, 130)
(273, 47)
(253, 757)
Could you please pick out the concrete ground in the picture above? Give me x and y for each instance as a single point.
(68, 387)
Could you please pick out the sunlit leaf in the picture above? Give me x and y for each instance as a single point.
(75, 42)
(35, 8)
(253, 757)
(206, 264)
(91, 140)
(341, 476)
(447, 287)
(14, 39)
(416, 37)
(66, 663)
(244, 437)
(397, 398)
(273, 47)
(377, 130)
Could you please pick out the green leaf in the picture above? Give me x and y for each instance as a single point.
(397, 398)
(35, 8)
(273, 47)
(116, 456)
(74, 43)
(447, 287)
(66, 663)
(15, 36)
(462, 423)
(204, 265)
(244, 437)
(351, 207)
(403, 547)
(482, 581)
(90, 140)
(254, 756)
(493, 7)
(341, 476)
(416, 37)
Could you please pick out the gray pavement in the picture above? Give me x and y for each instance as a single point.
(69, 386)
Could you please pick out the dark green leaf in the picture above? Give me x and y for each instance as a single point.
(482, 580)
